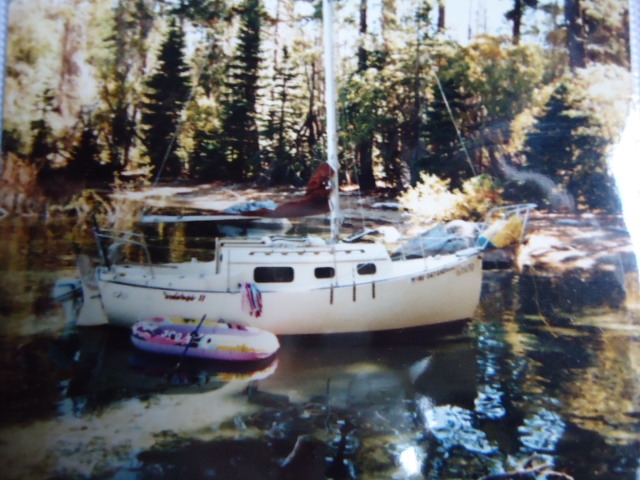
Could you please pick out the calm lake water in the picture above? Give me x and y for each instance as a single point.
(505, 392)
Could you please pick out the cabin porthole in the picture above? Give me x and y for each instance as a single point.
(273, 274)
(325, 272)
(366, 269)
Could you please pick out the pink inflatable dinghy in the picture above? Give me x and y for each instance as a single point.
(215, 341)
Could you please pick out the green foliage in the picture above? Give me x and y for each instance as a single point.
(433, 200)
(167, 92)
(479, 195)
(507, 77)
(207, 162)
(363, 101)
(380, 104)
(486, 85)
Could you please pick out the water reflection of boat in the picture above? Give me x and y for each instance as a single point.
(191, 371)
(216, 341)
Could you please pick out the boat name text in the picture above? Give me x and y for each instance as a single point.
(183, 297)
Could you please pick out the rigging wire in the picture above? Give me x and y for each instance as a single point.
(358, 209)
(354, 167)
(177, 131)
(455, 125)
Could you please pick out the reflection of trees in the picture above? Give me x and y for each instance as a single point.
(556, 355)
(499, 382)
(601, 396)
(30, 382)
(522, 410)
(31, 256)
(589, 374)
(178, 243)
(520, 376)
(166, 241)
(563, 390)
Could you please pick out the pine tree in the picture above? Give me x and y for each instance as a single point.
(549, 148)
(167, 93)
(568, 146)
(240, 125)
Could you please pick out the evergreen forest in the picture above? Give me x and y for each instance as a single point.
(132, 92)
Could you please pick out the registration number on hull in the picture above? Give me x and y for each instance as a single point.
(459, 271)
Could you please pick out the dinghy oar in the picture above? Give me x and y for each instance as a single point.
(188, 345)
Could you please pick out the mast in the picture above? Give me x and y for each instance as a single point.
(634, 43)
(332, 118)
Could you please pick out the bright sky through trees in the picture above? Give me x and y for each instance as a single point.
(477, 17)
(464, 18)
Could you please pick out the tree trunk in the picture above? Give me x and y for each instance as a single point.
(516, 17)
(575, 37)
(362, 52)
(442, 23)
(364, 149)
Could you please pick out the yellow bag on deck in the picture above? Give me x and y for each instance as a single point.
(504, 232)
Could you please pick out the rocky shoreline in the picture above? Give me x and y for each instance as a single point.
(570, 262)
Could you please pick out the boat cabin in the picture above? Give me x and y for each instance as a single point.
(278, 261)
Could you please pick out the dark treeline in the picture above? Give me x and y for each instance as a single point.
(214, 90)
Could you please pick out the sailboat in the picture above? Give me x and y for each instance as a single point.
(292, 286)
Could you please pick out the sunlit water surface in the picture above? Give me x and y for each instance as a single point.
(503, 393)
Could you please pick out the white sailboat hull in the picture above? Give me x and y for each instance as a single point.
(299, 286)
(399, 294)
